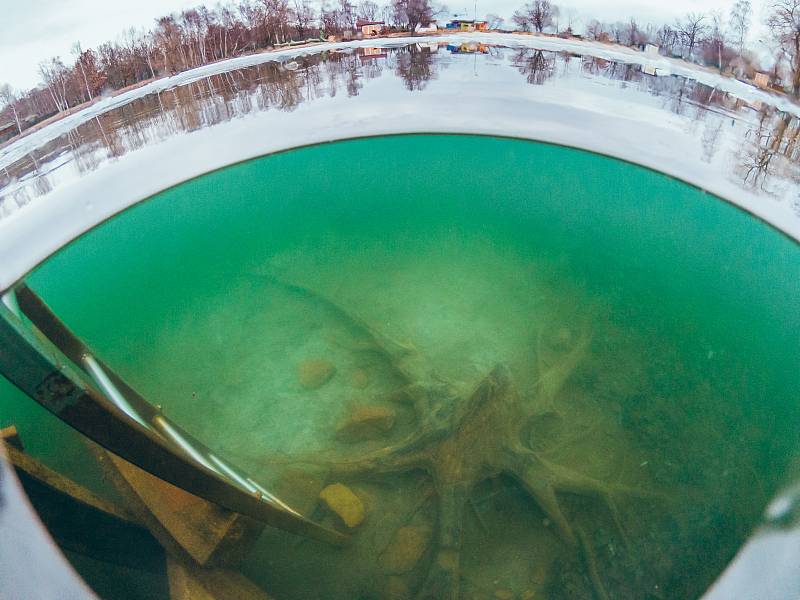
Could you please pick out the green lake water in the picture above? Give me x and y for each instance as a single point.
(669, 318)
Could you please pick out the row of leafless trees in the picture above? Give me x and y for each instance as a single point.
(770, 149)
(178, 42)
(194, 37)
(714, 39)
(686, 37)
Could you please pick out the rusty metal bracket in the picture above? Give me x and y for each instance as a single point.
(42, 357)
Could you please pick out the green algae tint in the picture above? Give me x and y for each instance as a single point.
(627, 347)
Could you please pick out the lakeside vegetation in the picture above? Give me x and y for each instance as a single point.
(192, 38)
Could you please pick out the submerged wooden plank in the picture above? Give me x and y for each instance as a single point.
(10, 436)
(82, 522)
(188, 581)
(180, 521)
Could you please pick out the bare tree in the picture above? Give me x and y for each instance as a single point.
(329, 20)
(231, 31)
(740, 18)
(495, 21)
(55, 74)
(304, 17)
(145, 46)
(276, 20)
(691, 30)
(537, 15)
(347, 14)
(78, 52)
(164, 37)
(619, 32)
(667, 38)
(522, 19)
(192, 24)
(410, 13)
(595, 29)
(716, 39)
(784, 26)
(366, 10)
(9, 98)
(633, 34)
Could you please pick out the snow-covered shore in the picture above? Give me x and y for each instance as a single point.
(663, 65)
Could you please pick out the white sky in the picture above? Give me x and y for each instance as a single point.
(35, 30)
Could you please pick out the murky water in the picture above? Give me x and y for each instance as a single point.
(627, 346)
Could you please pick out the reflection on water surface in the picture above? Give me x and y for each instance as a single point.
(751, 145)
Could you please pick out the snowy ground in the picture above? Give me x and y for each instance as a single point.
(663, 65)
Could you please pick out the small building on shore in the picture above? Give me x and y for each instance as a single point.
(371, 28)
(425, 28)
(651, 49)
(762, 80)
(467, 25)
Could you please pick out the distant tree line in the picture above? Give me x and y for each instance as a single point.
(706, 38)
(713, 39)
(194, 37)
(191, 38)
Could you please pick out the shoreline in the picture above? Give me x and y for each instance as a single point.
(56, 125)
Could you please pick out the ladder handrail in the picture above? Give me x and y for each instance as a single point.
(89, 396)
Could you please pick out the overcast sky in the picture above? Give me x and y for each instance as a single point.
(35, 30)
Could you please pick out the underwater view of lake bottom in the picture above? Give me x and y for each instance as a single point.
(507, 369)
